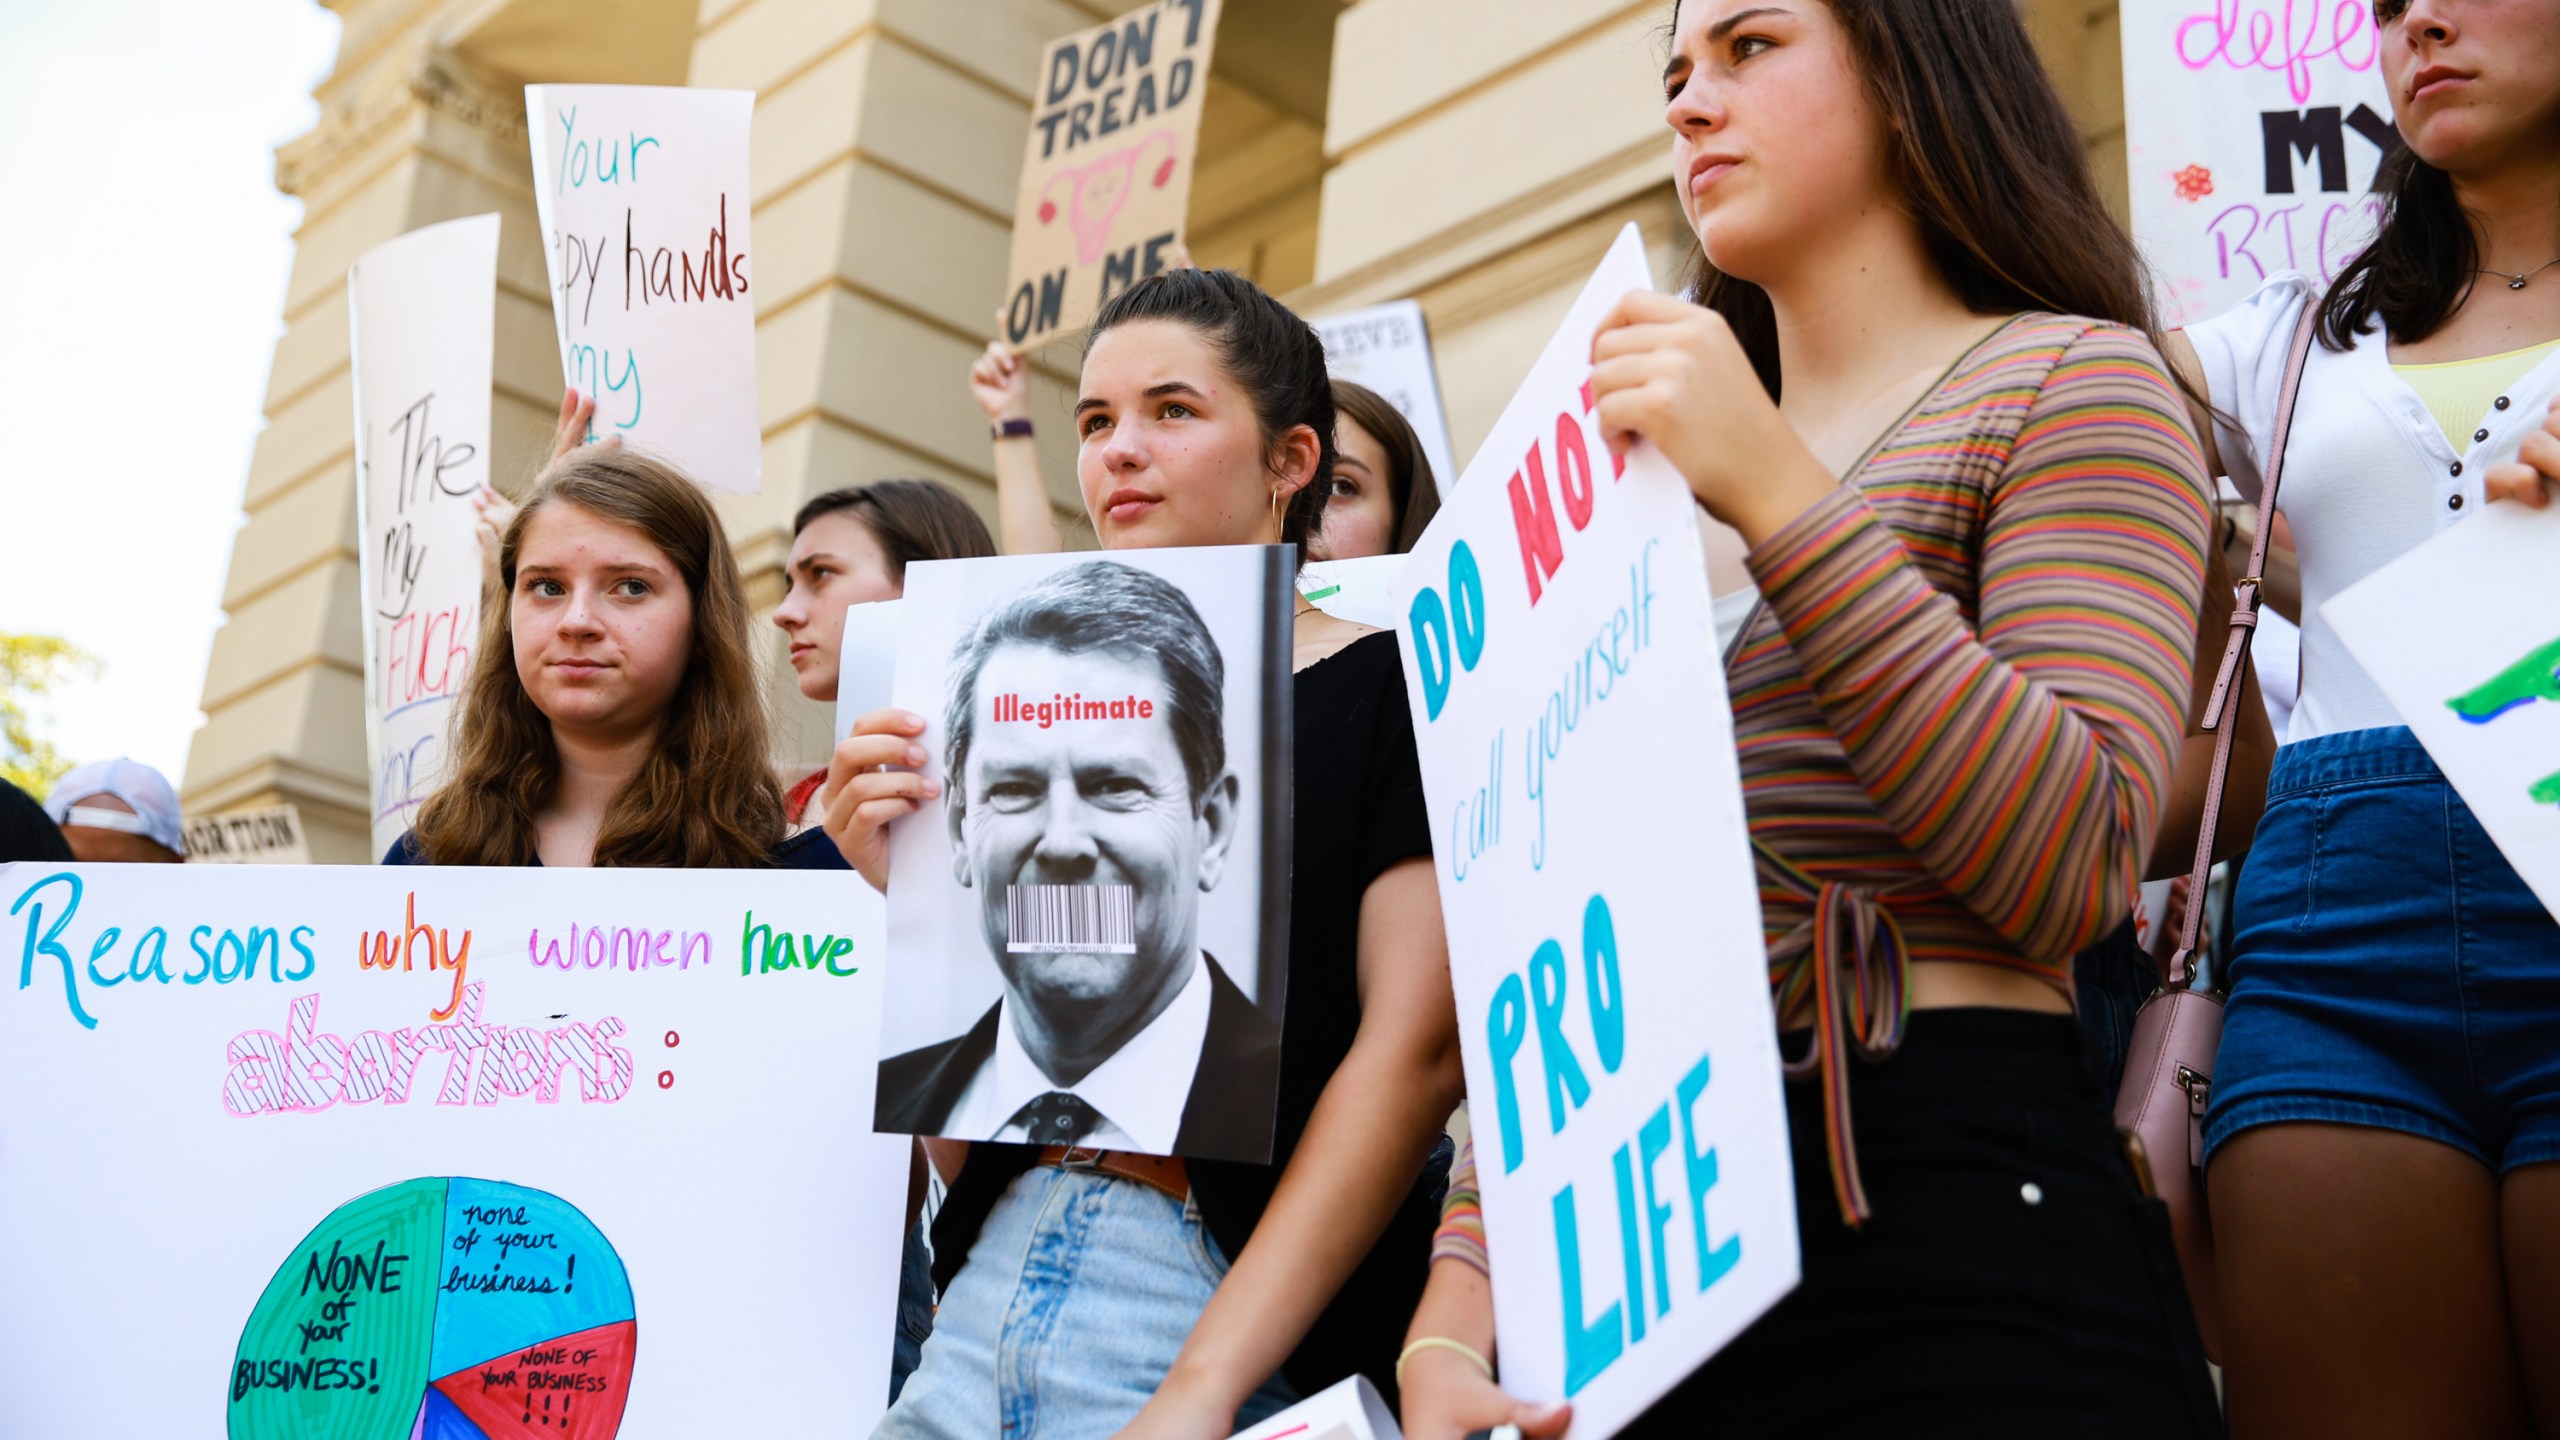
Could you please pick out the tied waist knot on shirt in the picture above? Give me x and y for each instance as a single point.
(1858, 971)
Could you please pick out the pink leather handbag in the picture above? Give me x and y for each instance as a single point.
(2168, 1073)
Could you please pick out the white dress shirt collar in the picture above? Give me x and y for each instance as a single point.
(1139, 1091)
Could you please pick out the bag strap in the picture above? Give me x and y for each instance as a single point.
(2222, 708)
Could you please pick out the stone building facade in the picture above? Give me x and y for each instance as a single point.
(1473, 154)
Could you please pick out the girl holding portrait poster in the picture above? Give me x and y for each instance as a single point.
(1187, 1297)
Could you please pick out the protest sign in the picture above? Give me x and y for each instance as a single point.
(420, 317)
(1106, 172)
(1347, 1410)
(2252, 131)
(272, 836)
(360, 1166)
(1361, 591)
(2463, 635)
(1388, 348)
(1578, 756)
(1110, 847)
(642, 190)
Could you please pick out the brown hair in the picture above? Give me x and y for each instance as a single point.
(1274, 357)
(706, 798)
(912, 519)
(1987, 160)
(1410, 482)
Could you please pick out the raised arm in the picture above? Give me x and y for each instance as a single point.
(1001, 382)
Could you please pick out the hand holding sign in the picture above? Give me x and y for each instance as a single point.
(2530, 478)
(1671, 372)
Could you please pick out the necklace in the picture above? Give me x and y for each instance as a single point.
(2516, 282)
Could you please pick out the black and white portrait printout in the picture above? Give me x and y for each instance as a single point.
(1088, 926)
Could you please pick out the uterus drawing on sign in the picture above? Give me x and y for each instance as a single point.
(2532, 679)
(1098, 191)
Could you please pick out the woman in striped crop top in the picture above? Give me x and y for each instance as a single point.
(1914, 373)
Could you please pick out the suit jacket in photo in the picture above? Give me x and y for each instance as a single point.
(1229, 1115)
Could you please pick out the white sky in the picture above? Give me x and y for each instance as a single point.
(146, 251)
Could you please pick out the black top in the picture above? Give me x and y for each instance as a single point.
(26, 831)
(1358, 810)
(1228, 1112)
(808, 850)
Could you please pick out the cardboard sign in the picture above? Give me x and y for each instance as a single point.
(272, 836)
(2463, 635)
(1107, 867)
(420, 317)
(2252, 130)
(1604, 923)
(642, 191)
(1106, 173)
(1388, 348)
(398, 1152)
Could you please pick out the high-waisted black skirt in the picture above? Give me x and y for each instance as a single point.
(2012, 1280)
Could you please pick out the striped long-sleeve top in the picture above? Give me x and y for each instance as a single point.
(1957, 705)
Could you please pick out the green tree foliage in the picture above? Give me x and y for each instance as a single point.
(31, 668)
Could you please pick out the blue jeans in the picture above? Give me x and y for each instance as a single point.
(1072, 1306)
(2388, 967)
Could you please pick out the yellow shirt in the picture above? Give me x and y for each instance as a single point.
(2459, 392)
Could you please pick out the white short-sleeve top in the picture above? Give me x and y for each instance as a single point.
(2369, 477)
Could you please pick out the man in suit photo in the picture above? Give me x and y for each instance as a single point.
(1092, 807)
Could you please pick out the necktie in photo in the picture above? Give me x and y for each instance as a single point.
(1057, 1118)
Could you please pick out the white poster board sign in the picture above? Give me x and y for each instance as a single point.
(271, 836)
(1604, 923)
(2252, 130)
(1388, 348)
(420, 317)
(2463, 634)
(403, 1153)
(1346, 1410)
(1361, 591)
(642, 191)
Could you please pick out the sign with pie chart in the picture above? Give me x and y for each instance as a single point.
(440, 1309)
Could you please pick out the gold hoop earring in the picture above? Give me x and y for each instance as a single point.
(1275, 513)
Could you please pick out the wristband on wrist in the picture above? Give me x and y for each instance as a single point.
(1441, 1342)
(1020, 426)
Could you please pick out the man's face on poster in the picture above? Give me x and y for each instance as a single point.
(1087, 802)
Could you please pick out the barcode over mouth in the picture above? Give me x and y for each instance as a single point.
(1066, 919)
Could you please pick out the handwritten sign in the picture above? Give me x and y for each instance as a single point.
(2252, 131)
(1388, 348)
(642, 191)
(272, 836)
(419, 320)
(2463, 635)
(1106, 173)
(1604, 925)
(400, 1151)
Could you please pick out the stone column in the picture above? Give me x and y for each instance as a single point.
(412, 132)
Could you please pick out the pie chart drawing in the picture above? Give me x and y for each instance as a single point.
(443, 1308)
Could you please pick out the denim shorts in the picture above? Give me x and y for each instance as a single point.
(2388, 967)
(1076, 1298)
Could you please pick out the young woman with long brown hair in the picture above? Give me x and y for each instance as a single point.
(1915, 376)
(2383, 1140)
(612, 715)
